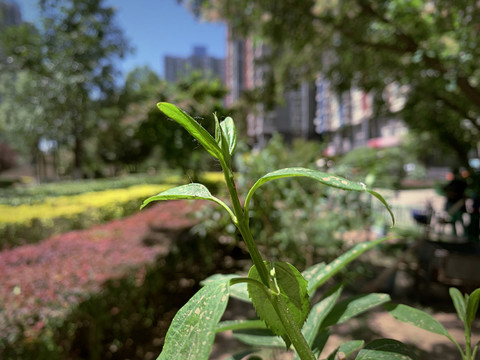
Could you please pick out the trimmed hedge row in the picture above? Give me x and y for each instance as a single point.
(31, 223)
(32, 194)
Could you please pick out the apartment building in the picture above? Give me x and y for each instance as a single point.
(178, 67)
(313, 110)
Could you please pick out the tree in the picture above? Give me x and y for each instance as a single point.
(431, 47)
(119, 140)
(196, 95)
(71, 62)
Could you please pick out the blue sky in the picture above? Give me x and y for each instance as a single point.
(156, 28)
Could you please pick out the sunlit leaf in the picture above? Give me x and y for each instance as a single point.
(319, 274)
(322, 177)
(230, 132)
(347, 349)
(472, 306)
(241, 355)
(315, 318)
(238, 291)
(192, 332)
(293, 290)
(193, 127)
(386, 349)
(188, 192)
(354, 306)
(240, 325)
(459, 303)
(259, 337)
(416, 317)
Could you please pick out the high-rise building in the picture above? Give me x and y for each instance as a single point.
(199, 60)
(9, 14)
(244, 72)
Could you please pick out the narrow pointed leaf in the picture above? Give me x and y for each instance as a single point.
(193, 127)
(192, 332)
(311, 273)
(315, 318)
(318, 313)
(319, 275)
(352, 307)
(293, 290)
(230, 132)
(240, 325)
(322, 177)
(472, 306)
(192, 191)
(241, 355)
(386, 349)
(347, 348)
(459, 303)
(237, 291)
(223, 142)
(418, 318)
(259, 337)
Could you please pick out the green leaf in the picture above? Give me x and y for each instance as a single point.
(193, 127)
(459, 303)
(192, 332)
(322, 177)
(192, 191)
(240, 325)
(386, 349)
(319, 343)
(292, 288)
(318, 313)
(259, 337)
(320, 274)
(237, 291)
(311, 273)
(472, 306)
(228, 127)
(347, 348)
(352, 307)
(241, 355)
(221, 140)
(315, 318)
(418, 318)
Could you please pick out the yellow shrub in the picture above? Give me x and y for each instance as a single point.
(31, 223)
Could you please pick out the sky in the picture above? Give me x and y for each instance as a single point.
(155, 28)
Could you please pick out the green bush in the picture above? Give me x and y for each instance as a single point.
(294, 219)
(379, 167)
(31, 223)
(32, 194)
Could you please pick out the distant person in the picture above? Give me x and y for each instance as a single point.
(455, 204)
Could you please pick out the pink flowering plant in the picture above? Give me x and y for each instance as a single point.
(279, 292)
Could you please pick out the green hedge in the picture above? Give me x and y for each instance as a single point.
(31, 223)
(31, 194)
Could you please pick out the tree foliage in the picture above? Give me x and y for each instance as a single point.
(428, 46)
(197, 95)
(61, 73)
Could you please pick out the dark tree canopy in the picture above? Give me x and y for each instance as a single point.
(63, 73)
(431, 47)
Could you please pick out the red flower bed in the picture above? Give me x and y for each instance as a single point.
(43, 281)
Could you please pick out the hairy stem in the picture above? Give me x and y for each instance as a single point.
(243, 226)
(293, 331)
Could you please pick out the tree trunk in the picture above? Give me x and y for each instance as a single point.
(77, 172)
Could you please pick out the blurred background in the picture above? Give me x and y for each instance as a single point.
(382, 92)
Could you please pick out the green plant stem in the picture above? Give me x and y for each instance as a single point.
(468, 346)
(474, 354)
(293, 331)
(243, 227)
